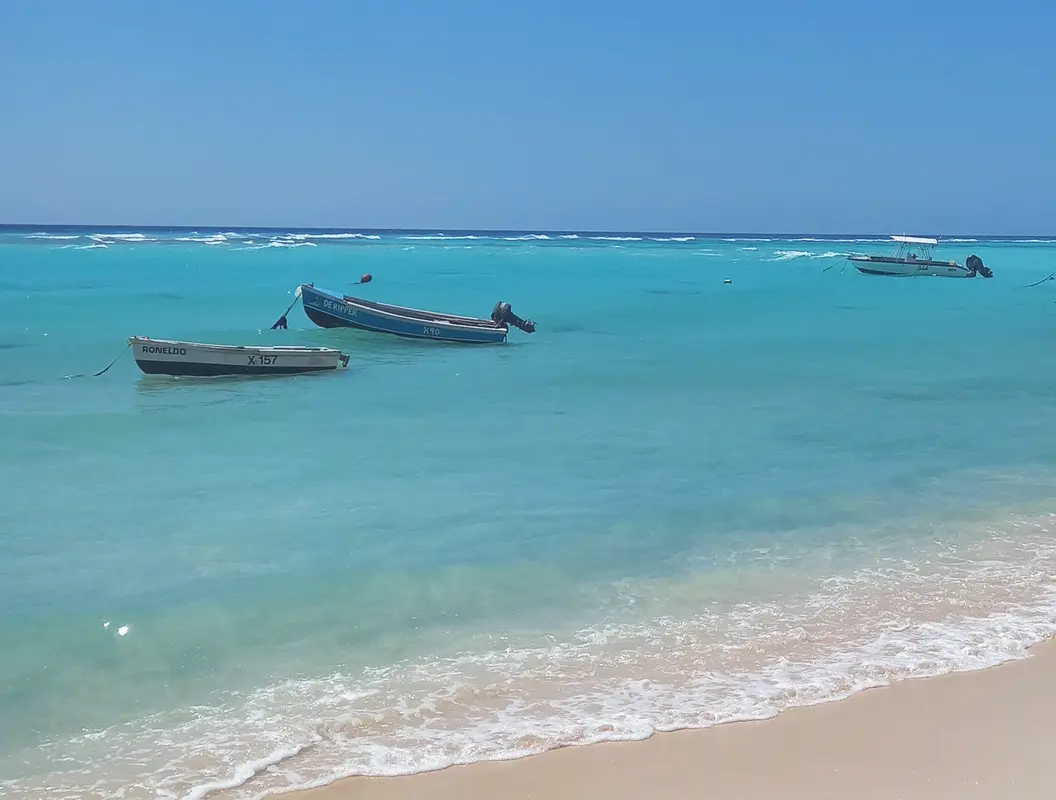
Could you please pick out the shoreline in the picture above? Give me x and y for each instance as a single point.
(983, 733)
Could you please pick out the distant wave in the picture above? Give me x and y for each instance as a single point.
(789, 255)
(436, 237)
(120, 237)
(303, 236)
(279, 243)
(277, 238)
(216, 238)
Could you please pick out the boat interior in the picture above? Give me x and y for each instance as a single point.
(425, 316)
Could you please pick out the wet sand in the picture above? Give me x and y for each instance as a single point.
(981, 734)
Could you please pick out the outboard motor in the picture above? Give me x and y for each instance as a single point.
(502, 314)
(976, 266)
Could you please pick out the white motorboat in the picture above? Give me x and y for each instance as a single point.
(913, 259)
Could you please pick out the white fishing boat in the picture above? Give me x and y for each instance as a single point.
(913, 259)
(168, 357)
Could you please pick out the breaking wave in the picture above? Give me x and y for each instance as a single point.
(789, 255)
(958, 608)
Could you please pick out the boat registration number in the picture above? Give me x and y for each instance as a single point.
(431, 331)
(262, 360)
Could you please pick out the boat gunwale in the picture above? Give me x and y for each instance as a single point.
(289, 348)
(444, 339)
(452, 321)
(897, 260)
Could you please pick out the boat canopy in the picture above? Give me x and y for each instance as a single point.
(914, 240)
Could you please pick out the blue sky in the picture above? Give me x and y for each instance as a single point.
(759, 115)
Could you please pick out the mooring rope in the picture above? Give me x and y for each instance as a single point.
(1037, 283)
(842, 257)
(104, 369)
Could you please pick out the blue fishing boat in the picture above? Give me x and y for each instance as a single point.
(331, 310)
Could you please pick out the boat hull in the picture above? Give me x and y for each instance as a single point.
(329, 310)
(192, 359)
(909, 268)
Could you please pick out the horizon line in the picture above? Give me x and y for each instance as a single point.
(701, 234)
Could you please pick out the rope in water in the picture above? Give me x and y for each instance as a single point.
(842, 258)
(1037, 283)
(104, 369)
(100, 372)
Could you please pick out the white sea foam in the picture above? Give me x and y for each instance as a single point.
(436, 237)
(216, 238)
(789, 255)
(958, 607)
(306, 236)
(277, 243)
(120, 237)
(248, 771)
(229, 236)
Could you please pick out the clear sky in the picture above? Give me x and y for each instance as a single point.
(930, 116)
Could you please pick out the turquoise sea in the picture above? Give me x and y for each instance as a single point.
(679, 502)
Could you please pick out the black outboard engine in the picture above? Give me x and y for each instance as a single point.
(502, 314)
(976, 266)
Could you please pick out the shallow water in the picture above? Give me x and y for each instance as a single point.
(679, 502)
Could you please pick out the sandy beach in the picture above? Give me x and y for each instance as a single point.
(981, 734)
